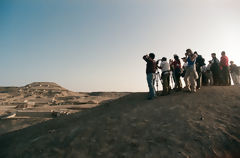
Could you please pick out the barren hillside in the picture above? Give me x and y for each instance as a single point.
(201, 125)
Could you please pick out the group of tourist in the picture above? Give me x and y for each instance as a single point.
(193, 70)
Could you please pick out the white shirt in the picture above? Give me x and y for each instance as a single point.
(165, 66)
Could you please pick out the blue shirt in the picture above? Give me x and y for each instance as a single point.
(190, 62)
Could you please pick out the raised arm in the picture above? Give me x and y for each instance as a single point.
(147, 58)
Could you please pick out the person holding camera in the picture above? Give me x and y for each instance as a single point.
(177, 70)
(215, 69)
(209, 76)
(235, 73)
(191, 73)
(200, 62)
(151, 74)
(165, 76)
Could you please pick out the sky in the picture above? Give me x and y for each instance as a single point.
(98, 45)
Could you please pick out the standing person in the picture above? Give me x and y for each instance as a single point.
(224, 67)
(151, 76)
(200, 61)
(184, 66)
(165, 76)
(191, 73)
(209, 76)
(215, 69)
(204, 76)
(176, 67)
(234, 70)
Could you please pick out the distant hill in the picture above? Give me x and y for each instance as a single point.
(182, 125)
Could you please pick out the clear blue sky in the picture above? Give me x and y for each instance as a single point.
(97, 45)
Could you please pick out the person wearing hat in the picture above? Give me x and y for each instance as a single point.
(234, 70)
(151, 76)
(165, 76)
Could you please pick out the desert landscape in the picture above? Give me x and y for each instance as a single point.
(120, 79)
(21, 107)
(46, 120)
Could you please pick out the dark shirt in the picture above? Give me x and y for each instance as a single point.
(151, 64)
(200, 61)
(215, 66)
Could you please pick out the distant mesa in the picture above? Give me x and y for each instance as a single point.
(39, 94)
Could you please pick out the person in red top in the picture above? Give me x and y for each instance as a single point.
(176, 69)
(224, 67)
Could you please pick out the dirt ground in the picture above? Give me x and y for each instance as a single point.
(201, 125)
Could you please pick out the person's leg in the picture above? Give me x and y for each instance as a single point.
(234, 78)
(193, 80)
(178, 82)
(174, 79)
(238, 79)
(150, 78)
(204, 79)
(228, 77)
(168, 83)
(154, 80)
(208, 78)
(224, 75)
(211, 78)
(199, 80)
(186, 79)
(216, 78)
(164, 84)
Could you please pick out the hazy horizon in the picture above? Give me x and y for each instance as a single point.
(91, 45)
